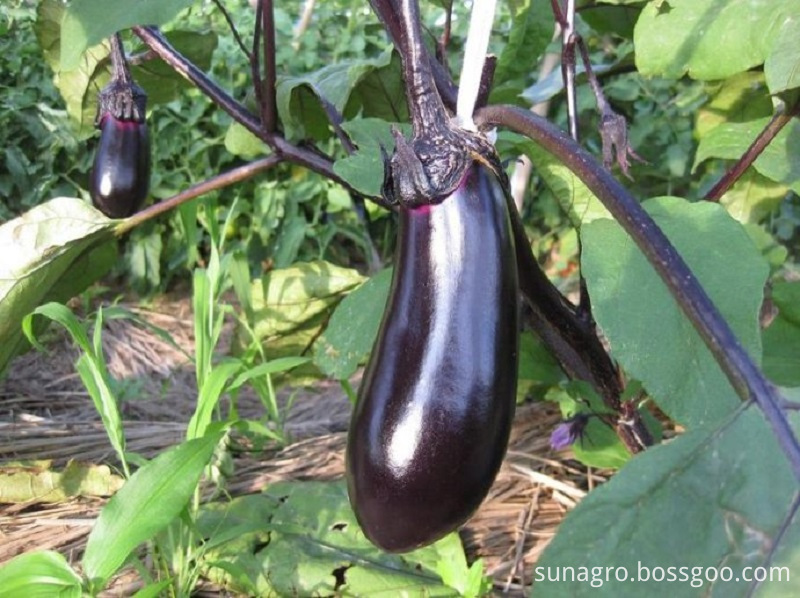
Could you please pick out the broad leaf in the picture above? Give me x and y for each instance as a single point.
(782, 66)
(530, 34)
(708, 39)
(782, 337)
(301, 538)
(300, 98)
(364, 169)
(741, 98)
(79, 85)
(574, 196)
(753, 197)
(649, 335)
(291, 306)
(39, 575)
(241, 142)
(51, 253)
(353, 327)
(712, 498)
(780, 160)
(88, 22)
(152, 498)
(38, 482)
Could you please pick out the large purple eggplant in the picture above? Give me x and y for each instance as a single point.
(120, 176)
(434, 410)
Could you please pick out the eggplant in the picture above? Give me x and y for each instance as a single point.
(120, 176)
(435, 407)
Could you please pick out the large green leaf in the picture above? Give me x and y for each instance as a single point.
(712, 498)
(39, 482)
(782, 66)
(88, 22)
(351, 330)
(79, 85)
(299, 97)
(291, 306)
(649, 335)
(753, 197)
(149, 501)
(531, 31)
(782, 337)
(575, 198)
(708, 39)
(50, 253)
(364, 169)
(39, 575)
(302, 539)
(741, 98)
(780, 160)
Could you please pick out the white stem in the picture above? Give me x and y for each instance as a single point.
(480, 28)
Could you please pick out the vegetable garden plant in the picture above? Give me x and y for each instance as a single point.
(684, 282)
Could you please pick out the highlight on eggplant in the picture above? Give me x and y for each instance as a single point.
(435, 407)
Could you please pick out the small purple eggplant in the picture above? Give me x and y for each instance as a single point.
(120, 176)
(434, 411)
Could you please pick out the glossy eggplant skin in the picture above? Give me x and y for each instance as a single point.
(120, 177)
(434, 410)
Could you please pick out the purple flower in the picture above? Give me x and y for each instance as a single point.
(568, 432)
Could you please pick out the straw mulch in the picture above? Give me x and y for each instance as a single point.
(45, 413)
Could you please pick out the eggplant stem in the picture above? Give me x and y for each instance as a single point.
(218, 182)
(428, 115)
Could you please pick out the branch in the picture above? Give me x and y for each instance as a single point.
(154, 40)
(269, 110)
(753, 152)
(232, 27)
(218, 182)
(746, 379)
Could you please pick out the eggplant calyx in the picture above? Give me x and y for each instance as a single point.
(123, 100)
(427, 169)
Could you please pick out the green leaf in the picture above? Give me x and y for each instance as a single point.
(753, 197)
(51, 253)
(290, 308)
(241, 142)
(649, 335)
(353, 327)
(302, 538)
(782, 337)
(285, 299)
(364, 169)
(381, 94)
(214, 384)
(530, 34)
(717, 497)
(38, 482)
(265, 369)
(298, 98)
(780, 160)
(149, 501)
(79, 85)
(741, 98)
(153, 590)
(574, 196)
(161, 82)
(782, 66)
(39, 575)
(88, 22)
(619, 20)
(708, 39)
